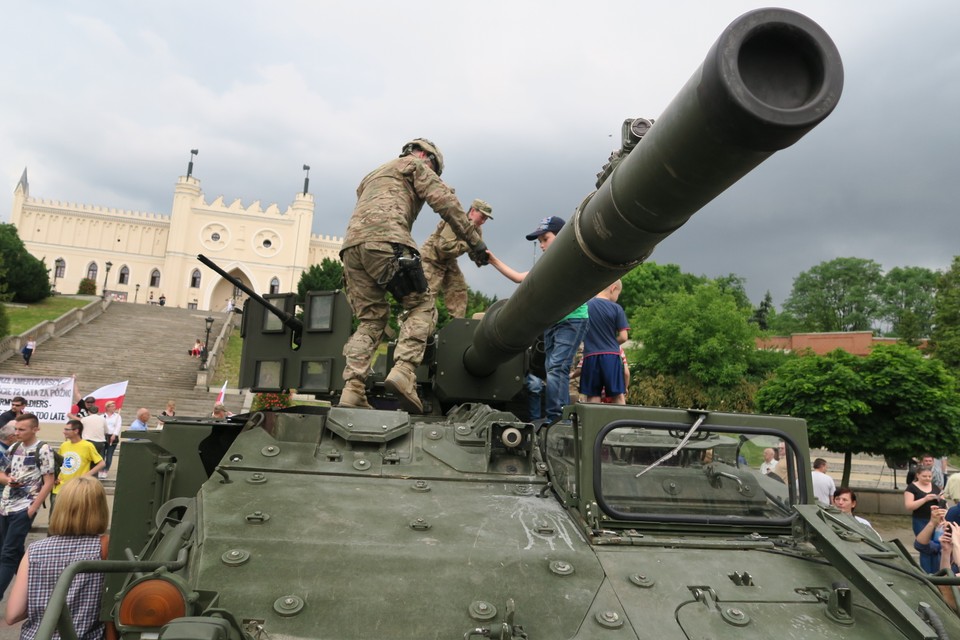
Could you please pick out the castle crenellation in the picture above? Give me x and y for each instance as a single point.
(93, 208)
(136, 256)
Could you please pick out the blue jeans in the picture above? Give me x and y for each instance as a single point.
(108, 454)
(13, 531)
(561, 342)
(534, 387)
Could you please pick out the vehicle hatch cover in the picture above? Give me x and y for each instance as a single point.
(364, 425)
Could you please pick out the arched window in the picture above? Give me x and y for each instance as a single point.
(124, 275)
(92, 271)
(155, 278)
(275, 285)
(195, 279)
(59, 268)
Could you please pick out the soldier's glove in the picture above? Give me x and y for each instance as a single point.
(479, 254)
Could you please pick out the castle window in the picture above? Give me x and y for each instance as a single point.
(267, 244)
(92, 271)
(215, 236)
(59, 268)
(275, 285)
(124, 275)
(195, 279)
(155, 278)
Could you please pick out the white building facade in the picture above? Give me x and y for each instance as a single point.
(139, 257)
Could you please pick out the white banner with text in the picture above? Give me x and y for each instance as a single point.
(48, 398)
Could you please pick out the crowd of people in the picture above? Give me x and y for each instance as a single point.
(67, 479)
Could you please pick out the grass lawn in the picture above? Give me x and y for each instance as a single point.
(24, 317)
(229, 366)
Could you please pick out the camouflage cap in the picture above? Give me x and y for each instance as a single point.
(483, 207)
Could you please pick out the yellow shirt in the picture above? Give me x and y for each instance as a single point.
(78, 459)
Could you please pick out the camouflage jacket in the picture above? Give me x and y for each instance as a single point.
(444, 245)
(390, 197)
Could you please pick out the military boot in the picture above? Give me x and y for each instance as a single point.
(354, 396)
(402, 382)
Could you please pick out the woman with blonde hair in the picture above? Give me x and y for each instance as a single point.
(75, 533)
(169, 412)
(114, 427)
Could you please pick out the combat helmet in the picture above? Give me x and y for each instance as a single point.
(429, 147)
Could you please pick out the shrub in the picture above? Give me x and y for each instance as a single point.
(87, 287)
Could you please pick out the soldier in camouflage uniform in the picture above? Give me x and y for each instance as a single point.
(440, 253)
(379, 255)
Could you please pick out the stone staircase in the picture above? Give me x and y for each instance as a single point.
(144, 344)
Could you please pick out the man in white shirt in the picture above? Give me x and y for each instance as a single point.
(94, 424)
(823, 485)
(769, 461)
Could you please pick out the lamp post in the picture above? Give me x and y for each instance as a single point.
(57, 266)
(206, 343)
(136, 293)
(105, 276)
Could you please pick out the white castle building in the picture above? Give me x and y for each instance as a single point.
(142, 256)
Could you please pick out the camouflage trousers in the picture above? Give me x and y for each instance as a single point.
(446, 276)
(365, 267)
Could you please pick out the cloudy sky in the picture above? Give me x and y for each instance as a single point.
(103, 101)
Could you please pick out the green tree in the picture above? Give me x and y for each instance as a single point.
(784, 324)
(650, 282)
(945, 337)
(26, 278)
(476, 303)
(697, 351)
(326, 276)
(826, 392)
(736, 287)
(4, 321)
(894, 402)
(838, 295)
(907, 298)
(764, 313)
(914, 403)
(703, 333)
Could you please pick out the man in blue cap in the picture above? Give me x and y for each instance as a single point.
(562, 339)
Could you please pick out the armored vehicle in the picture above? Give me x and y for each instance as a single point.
(470, 522)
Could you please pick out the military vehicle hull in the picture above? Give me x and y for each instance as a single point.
(340, 524)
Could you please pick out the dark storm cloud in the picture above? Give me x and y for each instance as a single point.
(105, 105)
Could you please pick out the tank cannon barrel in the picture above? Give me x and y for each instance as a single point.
(771, 77)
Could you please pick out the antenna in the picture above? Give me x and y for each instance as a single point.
(306, 178)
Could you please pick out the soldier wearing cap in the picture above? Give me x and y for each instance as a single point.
(379, 255)
(562, 339)
(440, 253)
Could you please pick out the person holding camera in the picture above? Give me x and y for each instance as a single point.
(928, 540)
(379, 256)
(920, 496)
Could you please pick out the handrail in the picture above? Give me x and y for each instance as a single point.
(47, 329)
